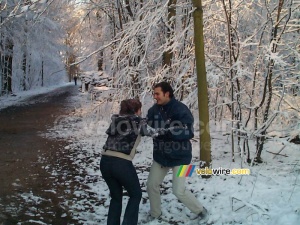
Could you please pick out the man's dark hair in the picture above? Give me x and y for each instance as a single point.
(165, 87)
(130, 106)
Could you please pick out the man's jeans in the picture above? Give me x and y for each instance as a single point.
(119, 173)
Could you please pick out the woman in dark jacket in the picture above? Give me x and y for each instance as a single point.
(116, 162)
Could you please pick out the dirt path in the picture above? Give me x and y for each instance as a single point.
(22, 160)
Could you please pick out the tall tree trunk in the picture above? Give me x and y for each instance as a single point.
(42, 73)
(7, 67)
(231, 55)
(100, 61)
(186, 20)
(205, 142)
(72, 69)
(2, 81)
(1, 57)
(167, 55)
(269, 88)
(24, 67)
(129, 9)
(1, 74)
(119, 8)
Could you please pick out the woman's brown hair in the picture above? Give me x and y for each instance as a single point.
(130, 106)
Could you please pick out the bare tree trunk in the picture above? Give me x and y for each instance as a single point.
(1, 75)
(119, 8)
(24, 69)
(168, 55)
(216, 103)
(129, 9)
(186, 20)
(42, 71)
(72, 69)
(205, 142)
(229, 30)
(268, 84)
(100, 61)
(7, 67)
(1, 58)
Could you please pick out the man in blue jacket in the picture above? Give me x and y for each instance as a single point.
(171, 149)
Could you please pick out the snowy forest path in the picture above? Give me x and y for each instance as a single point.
(24, 154)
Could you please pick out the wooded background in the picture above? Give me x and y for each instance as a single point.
(252, 52)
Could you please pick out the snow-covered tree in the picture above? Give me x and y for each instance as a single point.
(31, 44)
(252, 58)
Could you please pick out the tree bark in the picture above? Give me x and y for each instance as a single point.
(168, 55)
(205, 142)
(268, 85)
(7, 67)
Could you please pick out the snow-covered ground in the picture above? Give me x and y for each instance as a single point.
(269, 195)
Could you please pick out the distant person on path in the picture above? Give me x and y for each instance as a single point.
(116, 162)
(171, 149)
(75, 79)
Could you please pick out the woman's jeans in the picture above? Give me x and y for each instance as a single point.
(119, 173)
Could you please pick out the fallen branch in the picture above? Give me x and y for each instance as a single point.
(255, 207)
(277, 153)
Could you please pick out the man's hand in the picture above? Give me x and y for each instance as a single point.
(159, 132)
(152, 132)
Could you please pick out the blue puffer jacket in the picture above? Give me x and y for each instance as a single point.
(173, 148)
